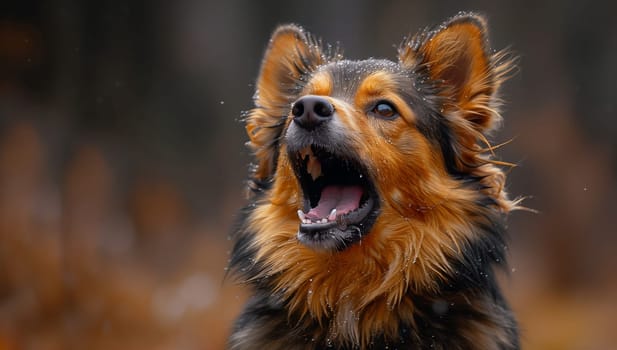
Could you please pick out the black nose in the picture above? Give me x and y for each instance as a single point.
(311, 111)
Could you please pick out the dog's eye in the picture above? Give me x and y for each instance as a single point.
(384, 110)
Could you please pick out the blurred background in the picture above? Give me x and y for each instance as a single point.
(122, 161)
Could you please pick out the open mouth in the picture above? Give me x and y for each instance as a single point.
(340, 201)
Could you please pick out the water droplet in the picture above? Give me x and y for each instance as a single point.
(222, 102)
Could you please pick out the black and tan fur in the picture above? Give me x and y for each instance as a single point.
(414, 272)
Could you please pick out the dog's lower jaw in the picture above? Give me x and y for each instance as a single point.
(338, 233)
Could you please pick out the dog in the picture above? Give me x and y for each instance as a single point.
(377, 210)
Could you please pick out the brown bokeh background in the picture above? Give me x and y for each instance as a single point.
(122, 161)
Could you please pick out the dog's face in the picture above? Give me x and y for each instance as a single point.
(355, 146)
(354, 143)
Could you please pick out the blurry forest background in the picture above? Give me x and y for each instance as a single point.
(122, 161)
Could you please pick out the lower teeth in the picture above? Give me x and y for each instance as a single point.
(331, 217)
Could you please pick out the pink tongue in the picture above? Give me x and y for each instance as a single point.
(343, 198)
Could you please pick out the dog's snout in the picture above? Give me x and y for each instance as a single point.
(311, 111)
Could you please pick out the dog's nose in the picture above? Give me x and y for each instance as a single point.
(311, 111)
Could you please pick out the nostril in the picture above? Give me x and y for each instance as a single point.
(298, 109)
(323, 108)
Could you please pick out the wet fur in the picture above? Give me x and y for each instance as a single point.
(423, 276)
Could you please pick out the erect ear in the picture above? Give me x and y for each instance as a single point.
(457, 60)
(292, 54)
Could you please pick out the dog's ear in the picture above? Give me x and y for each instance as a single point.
(465, 74)
(454, 63)
(291, 55)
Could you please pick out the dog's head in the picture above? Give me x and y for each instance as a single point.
(346, 148)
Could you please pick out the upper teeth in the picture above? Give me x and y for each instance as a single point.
(313, 166)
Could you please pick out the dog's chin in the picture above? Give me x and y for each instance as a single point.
(338, 234)
(340, 200)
